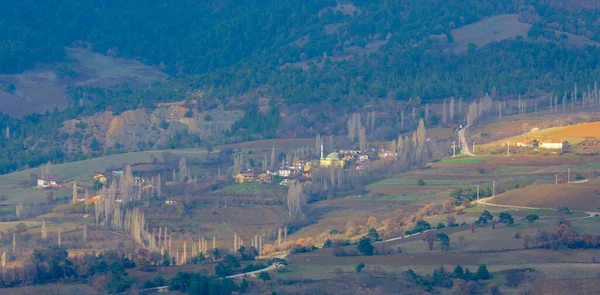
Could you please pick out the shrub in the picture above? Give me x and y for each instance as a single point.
(364, 246)
(360, 267)
(163, 124)
(505, 217)
(189, 114)
(531, 218)
(263, 275)
(148, 284)
(421, 182)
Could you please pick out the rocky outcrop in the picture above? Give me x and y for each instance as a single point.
(134, 129)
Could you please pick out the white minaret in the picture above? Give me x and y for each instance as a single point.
(321, 149)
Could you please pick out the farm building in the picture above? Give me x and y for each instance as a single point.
(47, 182)
(554, 144)
(525, 142)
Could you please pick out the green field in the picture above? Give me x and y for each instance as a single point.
(16, 186)
(101, 164)
(465, 160)
(414, 182)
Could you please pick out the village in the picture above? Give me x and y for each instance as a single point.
(302, 169)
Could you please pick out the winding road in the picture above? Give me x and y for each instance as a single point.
(464, 146)
(485, 202)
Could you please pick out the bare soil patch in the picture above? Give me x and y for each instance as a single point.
(41, 89)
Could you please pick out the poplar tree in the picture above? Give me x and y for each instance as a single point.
(44, 230)
(74, 191)
(452, 109)
(295, 200)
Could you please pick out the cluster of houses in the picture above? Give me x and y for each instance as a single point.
(302, 169)
(544, 144)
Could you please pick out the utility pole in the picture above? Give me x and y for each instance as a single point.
(478, 193)
(473, 147)
(556, 181)
(507, 149)
(569, 175)
(493, 188)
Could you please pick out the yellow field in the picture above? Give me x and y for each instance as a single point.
(577, 130)
(574, 134)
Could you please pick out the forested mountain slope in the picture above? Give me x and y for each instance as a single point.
(309, 63)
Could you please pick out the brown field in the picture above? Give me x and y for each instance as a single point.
(588, 286)
(581, 196)
(339, 212)
(52, 289)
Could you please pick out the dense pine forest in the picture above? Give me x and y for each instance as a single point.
(315, 54)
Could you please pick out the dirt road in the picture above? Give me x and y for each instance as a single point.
(486, 203)
(464, 146)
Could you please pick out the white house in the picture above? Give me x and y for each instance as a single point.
(47, 182)
(554, 144)
(285, 172)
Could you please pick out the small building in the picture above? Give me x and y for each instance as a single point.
(47, 182)
(117, 173)
(264, 178)
(285, 172)
(170, 201)
(244, 177)
(554, 144)
(286, 182)
(363, 157)
(387, 155)
(100, 178)
(524, 142)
